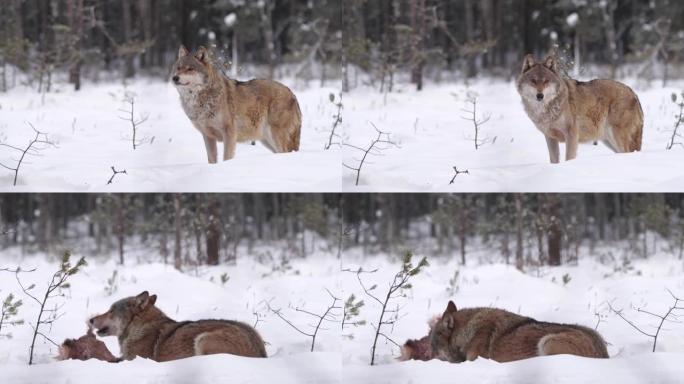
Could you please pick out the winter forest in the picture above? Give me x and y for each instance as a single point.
(612, 262)
(341, 191)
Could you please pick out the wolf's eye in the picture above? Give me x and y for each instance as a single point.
(534, 81)
(191, 69)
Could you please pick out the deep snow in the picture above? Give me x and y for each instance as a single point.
(91, 137)
(539, 293)
(195, 294)
(433, 138)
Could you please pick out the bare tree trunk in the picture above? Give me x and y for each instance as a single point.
(129, 69)
(213, 230)
(267, 28)
(554, 232)
(518, 231)
(471, 68)
(417, 37)
(144, 10)
(177, 257)
(120, 225)
(75, 14)
(18, 33)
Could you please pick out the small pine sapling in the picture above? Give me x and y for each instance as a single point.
(58, 282)
(337, 120)
(679, 121)
(453, 287)
(10, 308)
(112, 283)
(352, 310)
(397, 288)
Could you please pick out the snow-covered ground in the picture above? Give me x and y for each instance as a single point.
(90, 138)
(195, 294)
(542, 294)
(433, 138)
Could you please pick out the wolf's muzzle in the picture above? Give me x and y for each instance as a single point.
(540, 96)
(175, 79)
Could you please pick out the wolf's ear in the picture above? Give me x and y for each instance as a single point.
(141, 299)
(182, 51)
(451, 308)
(528, 63)
(202, 54)
(152, 300)
(551, 63)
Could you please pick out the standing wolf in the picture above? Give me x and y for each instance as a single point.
(499, 335)
(143, 330)
(573, 112)
(232, 111)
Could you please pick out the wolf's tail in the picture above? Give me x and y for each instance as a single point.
(635, 143)
(296, 127)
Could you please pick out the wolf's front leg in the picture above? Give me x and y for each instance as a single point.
(554, 150)
(210, 144)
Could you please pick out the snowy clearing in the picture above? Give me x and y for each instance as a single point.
(433, 138)
(90, 137)
(540, 293)
(196, 294)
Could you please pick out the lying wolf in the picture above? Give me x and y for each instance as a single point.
(572, 112)
(469, 333)
(143, 330)
(231, 111)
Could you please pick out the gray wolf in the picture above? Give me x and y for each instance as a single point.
(143, 330)
(231, 111)
(572, 112)
(84, 348)
(499, 335)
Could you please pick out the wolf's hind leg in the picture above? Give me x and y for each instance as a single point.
(571, 343)
(571, 145)
(267, 143)
(229, 143)
(223, 341)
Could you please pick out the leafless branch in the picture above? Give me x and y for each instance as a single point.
(676, 135)
(327, 316)
(39, 142)
(381, 142)
(337, 121)
(457, 172)
(478, 122)
(129, 115)
(114, 173)
(662, 318)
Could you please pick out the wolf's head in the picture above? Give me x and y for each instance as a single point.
(121, 313)
(441, 335)
(539, 80)
(191, 69)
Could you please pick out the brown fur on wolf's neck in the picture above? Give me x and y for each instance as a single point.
(574, 112)
(144, 330)
(230, 111)
(496, 334)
